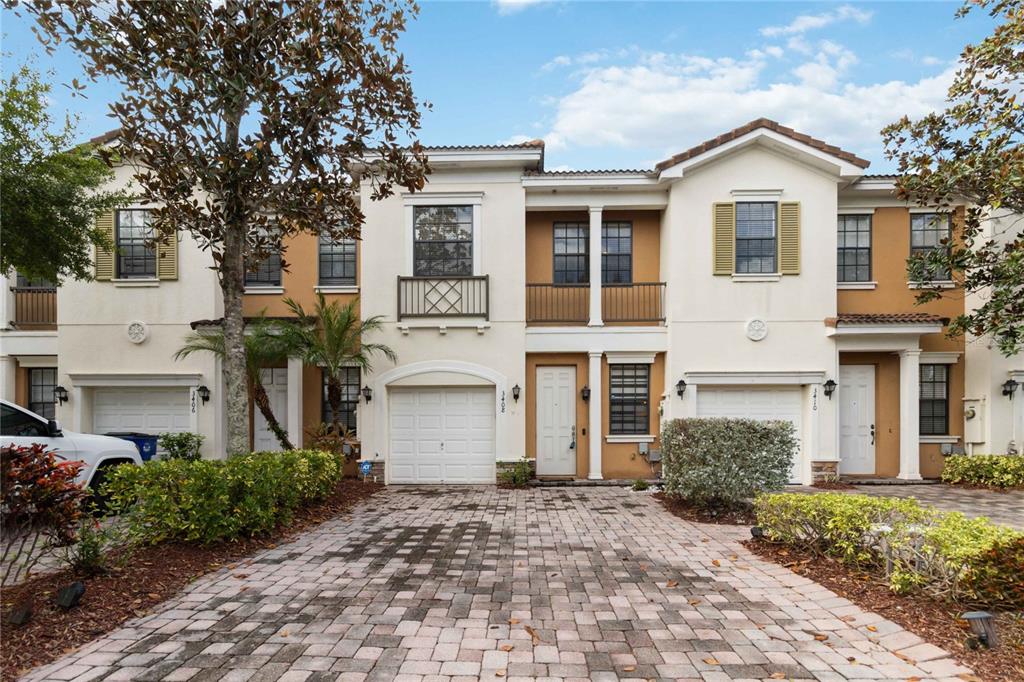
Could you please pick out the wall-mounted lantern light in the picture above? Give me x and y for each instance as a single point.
(680, 388)
(585, 393)
(515, 392)
(60, 394)
(830, 388)
(204, 394)
(1009, 387)
(367, 393)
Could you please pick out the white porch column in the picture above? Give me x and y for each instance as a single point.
(595, 267)
(295, 401)
(8, 369)
(910, 445)
(7, 308)
(596, 400)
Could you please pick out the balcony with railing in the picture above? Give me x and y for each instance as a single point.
(35, 307)
(641, 303)
(444, 297)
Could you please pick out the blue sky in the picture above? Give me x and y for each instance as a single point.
(625, 84)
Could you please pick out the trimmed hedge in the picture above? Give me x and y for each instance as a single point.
(723, 463)
(947, 554)
(999, 471)
(211, 500)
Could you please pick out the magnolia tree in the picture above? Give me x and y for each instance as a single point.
(247, 122)
(973, 150)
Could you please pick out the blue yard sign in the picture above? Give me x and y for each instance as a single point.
(364, 467)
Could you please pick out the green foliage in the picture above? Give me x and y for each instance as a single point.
(50, 195)
(519, 474)
(723, 463)
(207, 501)
(640, 485)
(181, 445)
(1000, 471)
(90, 553)
(970, 560)
(972, 152)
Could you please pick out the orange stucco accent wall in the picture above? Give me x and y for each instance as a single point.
(579, 361)
(623, 460)
(21, 386)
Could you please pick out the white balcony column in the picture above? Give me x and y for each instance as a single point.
(295, 401)
(7, 307)
(8, 371)
(910, 410)
(595, 267)
(594, 407)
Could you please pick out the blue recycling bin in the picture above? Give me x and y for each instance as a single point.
(144, 442)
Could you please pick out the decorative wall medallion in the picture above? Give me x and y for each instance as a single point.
(137, 331)
(757, 329)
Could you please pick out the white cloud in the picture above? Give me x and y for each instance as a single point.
(928, 60)
(664, 103)
(513, 6)
(809, 22)
(517, 139)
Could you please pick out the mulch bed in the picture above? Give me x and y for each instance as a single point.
(933, 620)
(149, 575)
(688, 512)
(833, 485)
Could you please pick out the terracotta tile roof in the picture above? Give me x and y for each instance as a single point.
(885, 318)
(770, 125)
(106, 137)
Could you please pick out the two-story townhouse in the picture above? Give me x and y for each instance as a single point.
(759, 274)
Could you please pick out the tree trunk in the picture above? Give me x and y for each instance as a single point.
(334, 400)
(259, 397)
(232, 282)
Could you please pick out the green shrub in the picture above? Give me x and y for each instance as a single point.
(206, 501)
(90, 553)
(180, 445)
(1000, 471)
(722, 463)
(950, 555)
(518, 475)
(640, 485)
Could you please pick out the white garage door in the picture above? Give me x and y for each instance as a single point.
(442, 435)
(754, 403)
(144, 410)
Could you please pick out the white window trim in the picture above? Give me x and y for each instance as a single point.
(940, 357)
(474, 199)
(135, 283)
(939, 439)
(940, 284)
(756, 195)
(756, 276)
(625, 358)
(629, 438)
(853, 210)
(856, 286)
(263, 290)
(797, 378)
(337, 289)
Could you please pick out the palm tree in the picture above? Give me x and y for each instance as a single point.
(332, 338)
(264, 347)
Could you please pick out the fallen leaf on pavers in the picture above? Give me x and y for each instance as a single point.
(629, 669)
(820, 636)
(513, 621)
(733, 557)
(871, 628)
(243, 588)
(778, 676)
(969, 677)
(499, 673)
(533, 633)
(507, 647)
(284, 633)
(705, 539)
(711, 661)
(851, 659)
(913, 679)
(694, 602)
(643, 567)
(904, 657)
(672, 583)
(847, 619)
(716, 562)
(241, 576)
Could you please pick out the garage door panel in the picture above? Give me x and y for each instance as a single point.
(145, 410)
(442, 435)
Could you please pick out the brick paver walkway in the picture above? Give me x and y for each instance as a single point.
(468, 583)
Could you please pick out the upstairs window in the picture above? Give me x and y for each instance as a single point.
(756, 247)
(337, 262)
(266, 274)
(628, 403)
(571, 260)
(136, 259)
(349, 399)
(41, 382)
(617, 253)
(927, 231)
(854, 255)
(442, 241)
(934, 400)
(24, 282)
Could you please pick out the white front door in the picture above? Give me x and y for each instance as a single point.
(556, 421)
(442, 435)
(857, 419)
(763, 404)
(275, 382)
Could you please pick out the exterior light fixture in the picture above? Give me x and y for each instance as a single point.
(367, 393)
(1009, 387)
(984, 628)
(585, 393)
(515, 392)
(60, 394)
(680, 388)
(830, 388)
(204, 394)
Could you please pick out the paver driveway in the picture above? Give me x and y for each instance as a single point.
(443, 583)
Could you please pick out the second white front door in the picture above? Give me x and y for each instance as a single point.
(275, 382)
(556, 421)
(857, 419)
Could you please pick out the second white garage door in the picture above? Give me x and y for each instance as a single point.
(442, 435)
(144, 410)
(754, 403)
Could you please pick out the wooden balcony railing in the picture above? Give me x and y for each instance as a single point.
(639, 302)
(35, 307)
(444, 297)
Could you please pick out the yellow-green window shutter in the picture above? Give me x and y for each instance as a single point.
(167, 257)
(723, 227)
(105, 257)
(789, 238)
